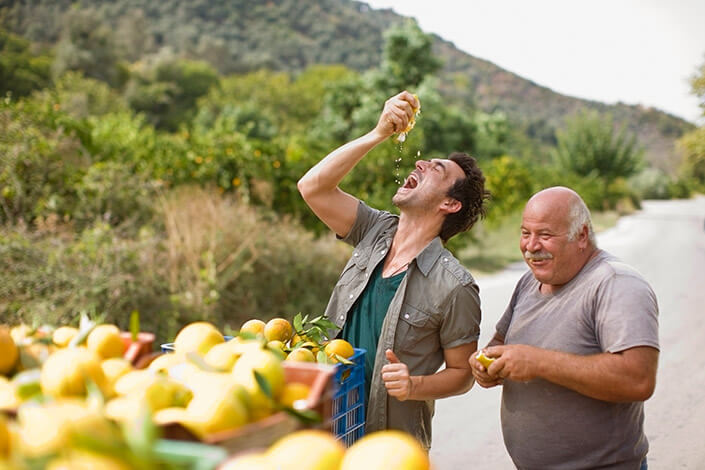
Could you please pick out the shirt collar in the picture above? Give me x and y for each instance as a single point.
(428, 256)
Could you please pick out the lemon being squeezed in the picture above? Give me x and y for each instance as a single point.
(412, 122)
(484, 360)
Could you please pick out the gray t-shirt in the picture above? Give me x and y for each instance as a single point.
(607, 307)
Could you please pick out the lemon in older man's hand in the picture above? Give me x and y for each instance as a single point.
(484, 360)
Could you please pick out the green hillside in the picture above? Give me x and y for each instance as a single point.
(238, 36)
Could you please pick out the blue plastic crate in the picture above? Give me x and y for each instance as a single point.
(348, 410)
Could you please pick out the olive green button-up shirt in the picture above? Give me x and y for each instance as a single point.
(436, 307)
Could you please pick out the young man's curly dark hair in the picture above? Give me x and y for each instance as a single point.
(470, 192)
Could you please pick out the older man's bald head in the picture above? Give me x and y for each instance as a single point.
(566, 204)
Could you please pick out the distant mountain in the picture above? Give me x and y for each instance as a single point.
(243, 35)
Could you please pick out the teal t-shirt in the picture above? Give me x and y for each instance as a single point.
(364, 324)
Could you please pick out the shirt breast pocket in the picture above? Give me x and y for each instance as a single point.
(355, 268)
(415, 326)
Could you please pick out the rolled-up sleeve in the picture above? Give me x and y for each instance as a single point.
(461, 324)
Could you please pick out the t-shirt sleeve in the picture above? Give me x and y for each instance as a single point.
(366, 218)
(461, 324)
(506, 319)
(626, 313)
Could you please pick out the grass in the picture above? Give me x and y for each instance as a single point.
(495, 246)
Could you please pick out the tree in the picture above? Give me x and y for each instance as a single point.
(167, 91)
(21, 72)
(408, 58)
(589, 144)
(693, 143)
(87, 44)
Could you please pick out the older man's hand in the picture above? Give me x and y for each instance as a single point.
(482, 376)
(517, 362)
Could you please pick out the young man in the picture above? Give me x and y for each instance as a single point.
(577, 348)
(402, 296)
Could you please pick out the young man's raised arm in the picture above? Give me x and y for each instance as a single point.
(319, 186)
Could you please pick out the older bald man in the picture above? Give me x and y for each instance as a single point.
(576, 350)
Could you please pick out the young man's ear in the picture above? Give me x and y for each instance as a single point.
(450, 205)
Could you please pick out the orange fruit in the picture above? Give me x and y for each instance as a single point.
(105, 341)
(308, 449)
(8, 351)
(278, 329)
(340, 347)
(301, 355)
(293, 392)
(198, 336)
(253, 326)
(384, 450)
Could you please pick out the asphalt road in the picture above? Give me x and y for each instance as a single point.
(665, 241)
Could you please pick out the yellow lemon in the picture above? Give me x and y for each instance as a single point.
(105, 341)
(124, 409)
(270, 367)
(221, 357)
(294, 392)
(384, 450)
(20, 333)
(198, 336)
(213, 410)
(484, 360)
(301, 355)
(278, 348)
(254, 326)
(133, 381)
(339, 347)
(164, 362)
(63, 335)
(45, 429)
(113, 369)
(412, 122)
(296, 339)
(278, 329)
(309, 449)
(66, 372)
(8, 351)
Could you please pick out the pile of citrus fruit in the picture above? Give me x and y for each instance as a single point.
(69, 385)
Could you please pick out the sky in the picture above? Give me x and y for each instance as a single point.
(633, 51)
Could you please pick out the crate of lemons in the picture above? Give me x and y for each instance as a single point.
(54, 385)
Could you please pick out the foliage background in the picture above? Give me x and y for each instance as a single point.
(149, 152)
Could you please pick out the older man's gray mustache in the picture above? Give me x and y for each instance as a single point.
(538, 256)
